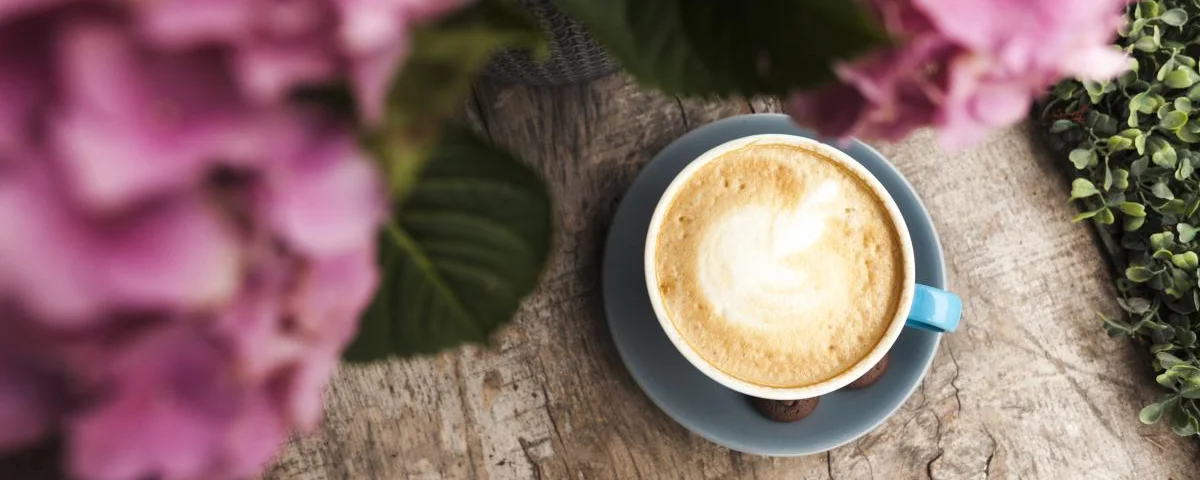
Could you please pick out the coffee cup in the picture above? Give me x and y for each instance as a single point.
(782, 269)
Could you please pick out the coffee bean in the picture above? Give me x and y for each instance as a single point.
(872, 375)
(784, 410)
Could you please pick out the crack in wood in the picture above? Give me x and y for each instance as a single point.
(683, 112)
(467, 418)
(954, 379)
(929, 465)
(870, 468)
(987, 465)
(525, 444)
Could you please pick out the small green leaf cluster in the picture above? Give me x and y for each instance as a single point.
(1134, 145)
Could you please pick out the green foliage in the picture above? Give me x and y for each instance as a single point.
(470, 228)
(722, 48)
(1139, 186)
(464, 246)
(437, 75)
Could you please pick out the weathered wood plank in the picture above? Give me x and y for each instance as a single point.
(1029, 388)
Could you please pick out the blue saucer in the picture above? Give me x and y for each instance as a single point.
(704, 406)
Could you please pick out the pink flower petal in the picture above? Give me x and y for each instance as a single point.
(139, 123)
(155, 421)
(178, 255)
(325, 196)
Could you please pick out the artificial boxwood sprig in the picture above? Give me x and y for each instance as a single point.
(1134, 145)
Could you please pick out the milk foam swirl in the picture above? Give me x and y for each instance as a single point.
(754, 262)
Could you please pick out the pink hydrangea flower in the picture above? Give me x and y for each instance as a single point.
(278, 44)
(184, 253)
(963, 67)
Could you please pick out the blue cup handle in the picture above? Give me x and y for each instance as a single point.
(934, 310)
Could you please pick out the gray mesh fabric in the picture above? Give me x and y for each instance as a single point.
(574, 56)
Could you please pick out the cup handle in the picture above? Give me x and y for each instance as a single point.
(934, 310)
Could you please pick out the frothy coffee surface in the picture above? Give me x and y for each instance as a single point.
(779, 266)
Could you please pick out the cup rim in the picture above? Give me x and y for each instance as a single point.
(764, 391)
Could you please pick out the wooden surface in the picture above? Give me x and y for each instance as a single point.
(1030, 386)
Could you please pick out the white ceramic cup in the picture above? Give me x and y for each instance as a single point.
(943, 307)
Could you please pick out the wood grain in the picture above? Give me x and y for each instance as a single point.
(1030, 387)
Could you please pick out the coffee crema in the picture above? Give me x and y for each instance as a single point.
(779, 266)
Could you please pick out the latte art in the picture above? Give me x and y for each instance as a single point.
(778, 266)
(755, 260)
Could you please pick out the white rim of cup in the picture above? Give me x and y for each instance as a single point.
(763, 391)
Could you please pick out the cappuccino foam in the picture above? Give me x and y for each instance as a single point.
(779, 266)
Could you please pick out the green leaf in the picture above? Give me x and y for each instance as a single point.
(1173, 119)
(1186, 232)
(725, 48)
(1151, 413)
(1190, 392)
(1102, 123)
(1105, 217)
(1183, 104)
(1161, 190)
(1139, 143)
(1132, 224)
(1183, 424)
(1137, 305)
(1138, 274)
(1127, 78)
(1174, 17)
(1121, 178)
(443, 61)
(1143, 103)
(1139, 21)
(1096, 89)
(1165, 158)
(1082, 158)
(1117, 143)
(1181, 77)
(1187, 338)
(1060, 126)
(1086, 215)
(1186, 260)
(1174, 206)
(463, 248)
(1162, 240)
(1186, 134)
(1166, 68)
(1147, 9)
(1066, 89)
(1139, 166)
(1082, 188)
(1185, 169)
(1133, 209)
(1167, 378)
(1146, 44)
(1167, 360)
